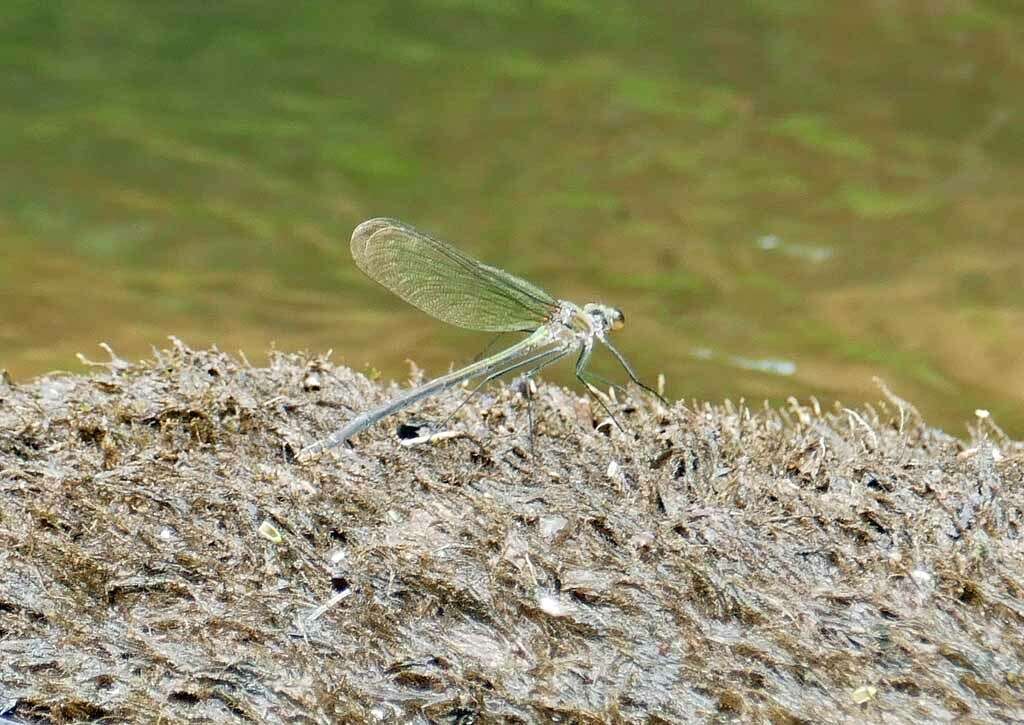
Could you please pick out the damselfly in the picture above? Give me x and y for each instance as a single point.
(445, 283)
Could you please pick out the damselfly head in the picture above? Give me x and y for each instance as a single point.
(608, 318)
(618, 318)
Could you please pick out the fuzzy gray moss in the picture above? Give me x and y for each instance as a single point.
(162, 555)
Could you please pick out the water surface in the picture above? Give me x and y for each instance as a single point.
(787, 198)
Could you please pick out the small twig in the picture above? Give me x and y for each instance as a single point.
(433, 438)
(326, 606)
(856, 416)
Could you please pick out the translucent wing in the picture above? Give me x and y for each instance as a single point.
(445, 283)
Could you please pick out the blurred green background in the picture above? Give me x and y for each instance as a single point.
(787, 197)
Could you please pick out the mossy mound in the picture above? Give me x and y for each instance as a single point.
(164, 556)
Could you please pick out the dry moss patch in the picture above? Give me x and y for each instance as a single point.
(163, 555)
